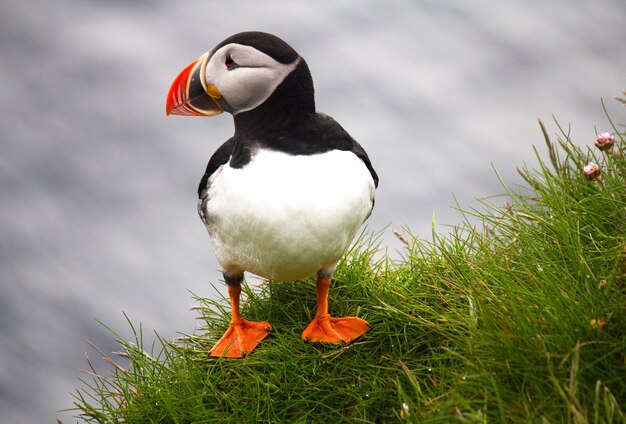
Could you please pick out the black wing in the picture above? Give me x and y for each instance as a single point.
(360, 152)
(219, 158)
(335, 137)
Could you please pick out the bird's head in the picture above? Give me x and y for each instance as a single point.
(240, 74)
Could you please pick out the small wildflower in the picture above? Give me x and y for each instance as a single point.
(591, 171)
(404, 414)
(605, 141)
(598, 323)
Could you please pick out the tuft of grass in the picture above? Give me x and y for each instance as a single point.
(517, 315)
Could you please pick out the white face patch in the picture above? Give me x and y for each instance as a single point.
(251, 81)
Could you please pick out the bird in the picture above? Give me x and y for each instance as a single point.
(284, 197)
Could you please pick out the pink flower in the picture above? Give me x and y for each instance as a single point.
(605, 141)
(405, 414)
(591, 171)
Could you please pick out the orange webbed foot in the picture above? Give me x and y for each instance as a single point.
(240, 339)
(327, 329)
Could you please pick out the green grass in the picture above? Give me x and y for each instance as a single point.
(519, 318)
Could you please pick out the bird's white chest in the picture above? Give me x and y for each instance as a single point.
(285, 217)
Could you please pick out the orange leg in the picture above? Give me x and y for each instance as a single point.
(326, 329)
(242, 335)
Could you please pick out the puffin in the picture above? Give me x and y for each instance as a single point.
(284, 197)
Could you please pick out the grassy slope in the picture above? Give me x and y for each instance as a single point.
(523, 319)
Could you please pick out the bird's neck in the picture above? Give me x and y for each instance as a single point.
(287, 108)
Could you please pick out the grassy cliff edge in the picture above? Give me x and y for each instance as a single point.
(521, 318)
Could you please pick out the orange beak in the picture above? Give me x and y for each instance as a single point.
(190, 95)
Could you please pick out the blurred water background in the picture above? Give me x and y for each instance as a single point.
(98, 187)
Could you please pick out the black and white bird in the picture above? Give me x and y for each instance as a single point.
(284, 197)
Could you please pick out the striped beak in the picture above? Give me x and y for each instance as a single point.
(190, 95)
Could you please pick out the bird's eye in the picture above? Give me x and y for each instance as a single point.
(230, 63)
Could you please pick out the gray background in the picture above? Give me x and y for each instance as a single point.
(97, 186)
